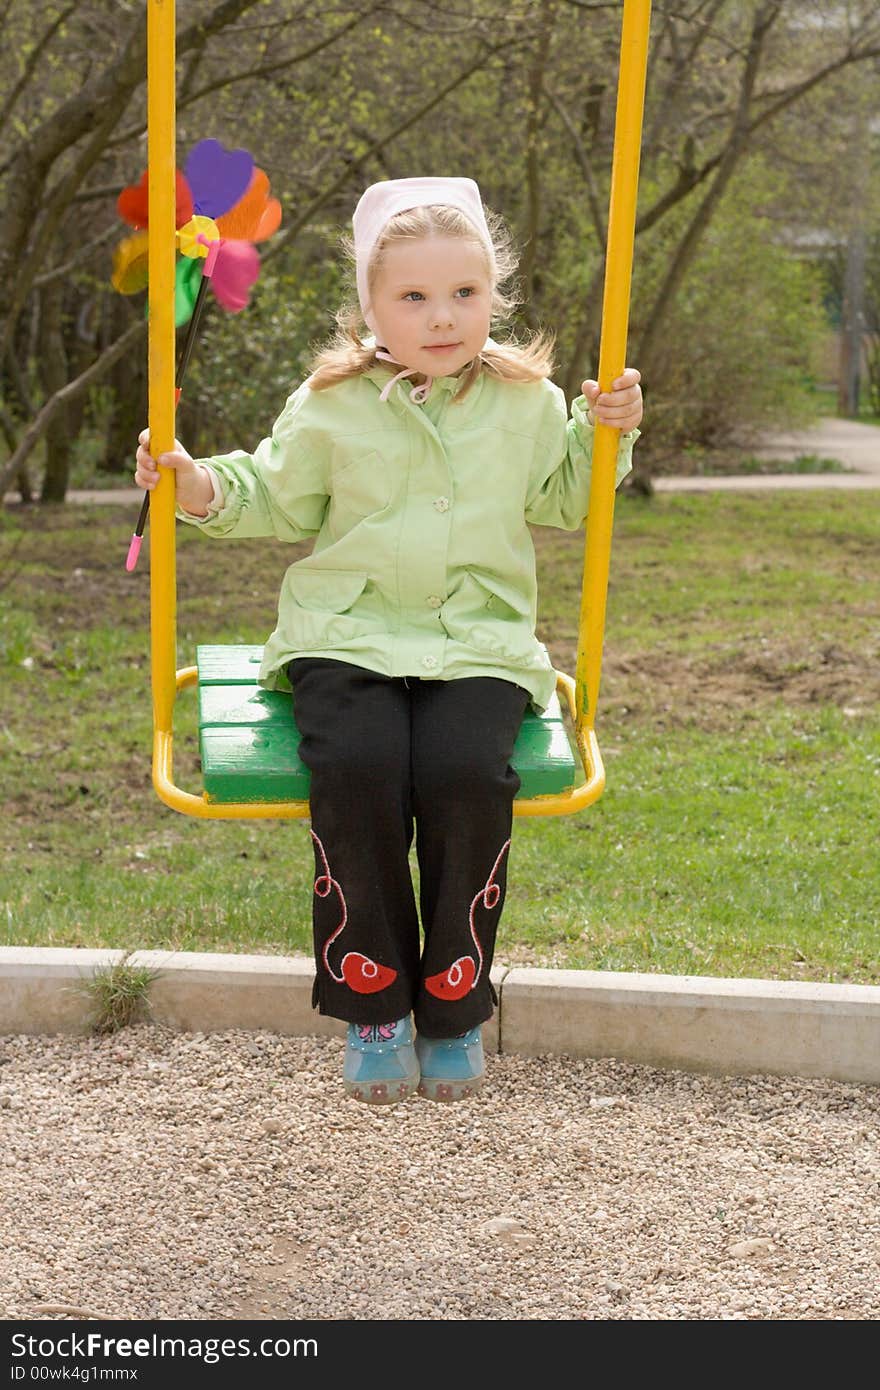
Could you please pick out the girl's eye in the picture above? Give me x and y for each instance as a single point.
(469, 291)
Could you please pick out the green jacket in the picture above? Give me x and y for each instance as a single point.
(423, 563)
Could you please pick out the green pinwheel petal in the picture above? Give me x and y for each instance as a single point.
(187, 278)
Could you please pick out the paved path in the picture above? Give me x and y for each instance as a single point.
(770, 482)
(854, 445)
(851, 443)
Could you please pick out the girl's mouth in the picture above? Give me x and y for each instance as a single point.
(441, 347)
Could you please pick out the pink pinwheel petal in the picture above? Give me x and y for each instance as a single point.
(218, 177)
(236, 269)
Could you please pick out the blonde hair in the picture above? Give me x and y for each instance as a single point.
(346, 355)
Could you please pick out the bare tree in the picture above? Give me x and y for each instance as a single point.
(48, 171)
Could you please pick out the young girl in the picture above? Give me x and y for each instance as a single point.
(408, 635)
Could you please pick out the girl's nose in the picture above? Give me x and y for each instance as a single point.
(443, 314)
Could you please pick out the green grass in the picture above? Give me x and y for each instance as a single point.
(118, 995)
(739, 721)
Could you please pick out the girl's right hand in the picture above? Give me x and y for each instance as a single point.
(194, 488)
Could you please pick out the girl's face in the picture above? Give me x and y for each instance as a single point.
(432, 303)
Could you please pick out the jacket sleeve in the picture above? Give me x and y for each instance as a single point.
(281, 489)
(559, 488)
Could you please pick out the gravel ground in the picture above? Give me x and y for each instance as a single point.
(157, 1174)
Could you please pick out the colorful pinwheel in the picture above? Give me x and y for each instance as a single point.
(223, 207)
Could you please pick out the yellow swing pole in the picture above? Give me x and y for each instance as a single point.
(162, 250)
(166, 680)
(612, 360)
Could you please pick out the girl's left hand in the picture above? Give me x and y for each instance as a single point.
(621, 407)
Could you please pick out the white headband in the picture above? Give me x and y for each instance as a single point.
(381, 201)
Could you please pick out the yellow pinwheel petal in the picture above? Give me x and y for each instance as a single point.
(130, 264)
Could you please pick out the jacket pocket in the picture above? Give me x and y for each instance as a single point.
(327, 608)
(359, 488)
(491, 617)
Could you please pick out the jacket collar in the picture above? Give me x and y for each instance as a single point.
(380, 375)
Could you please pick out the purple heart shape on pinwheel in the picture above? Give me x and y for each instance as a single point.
(217, 177)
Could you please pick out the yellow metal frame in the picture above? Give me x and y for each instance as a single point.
(581, 694)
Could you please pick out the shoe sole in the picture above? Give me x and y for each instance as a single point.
(382, 1092)
(446, 1091)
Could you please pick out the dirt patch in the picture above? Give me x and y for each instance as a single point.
(714, 691)
(66, 568)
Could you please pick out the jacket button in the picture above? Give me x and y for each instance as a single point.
(429, 662)
(442, 504)
(435, 601)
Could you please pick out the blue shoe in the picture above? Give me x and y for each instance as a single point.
(451, 1068)
(380, 1065)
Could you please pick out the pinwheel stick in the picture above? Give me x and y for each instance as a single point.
(134, 548)
(186, 350)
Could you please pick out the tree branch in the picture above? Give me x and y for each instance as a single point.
(69, 392)
(33, 58)
(83, 111)
(52, 215)
(692, 177)
(96, 108)
(764, 19)
(587, 170)
(537, 70)
(81, 254)
(683, 65)
(252, 74)
(291, 229)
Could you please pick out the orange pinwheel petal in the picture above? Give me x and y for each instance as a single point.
(131, 264)
(270, 221)
(253, 214)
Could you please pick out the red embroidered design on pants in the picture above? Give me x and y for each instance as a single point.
(462, 975)
(359, 972)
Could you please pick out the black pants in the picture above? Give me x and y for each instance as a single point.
(385, 753)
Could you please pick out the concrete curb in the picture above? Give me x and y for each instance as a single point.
(696, 1023)
(43, 990)
(727, 1026)
(698, 482)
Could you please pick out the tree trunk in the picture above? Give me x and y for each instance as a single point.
(23, 483)
(52, 368)
(529, 267)
(852, 327)
(130, 341)
(128, 415)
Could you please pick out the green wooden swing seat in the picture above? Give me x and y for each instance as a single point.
(250, 743)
